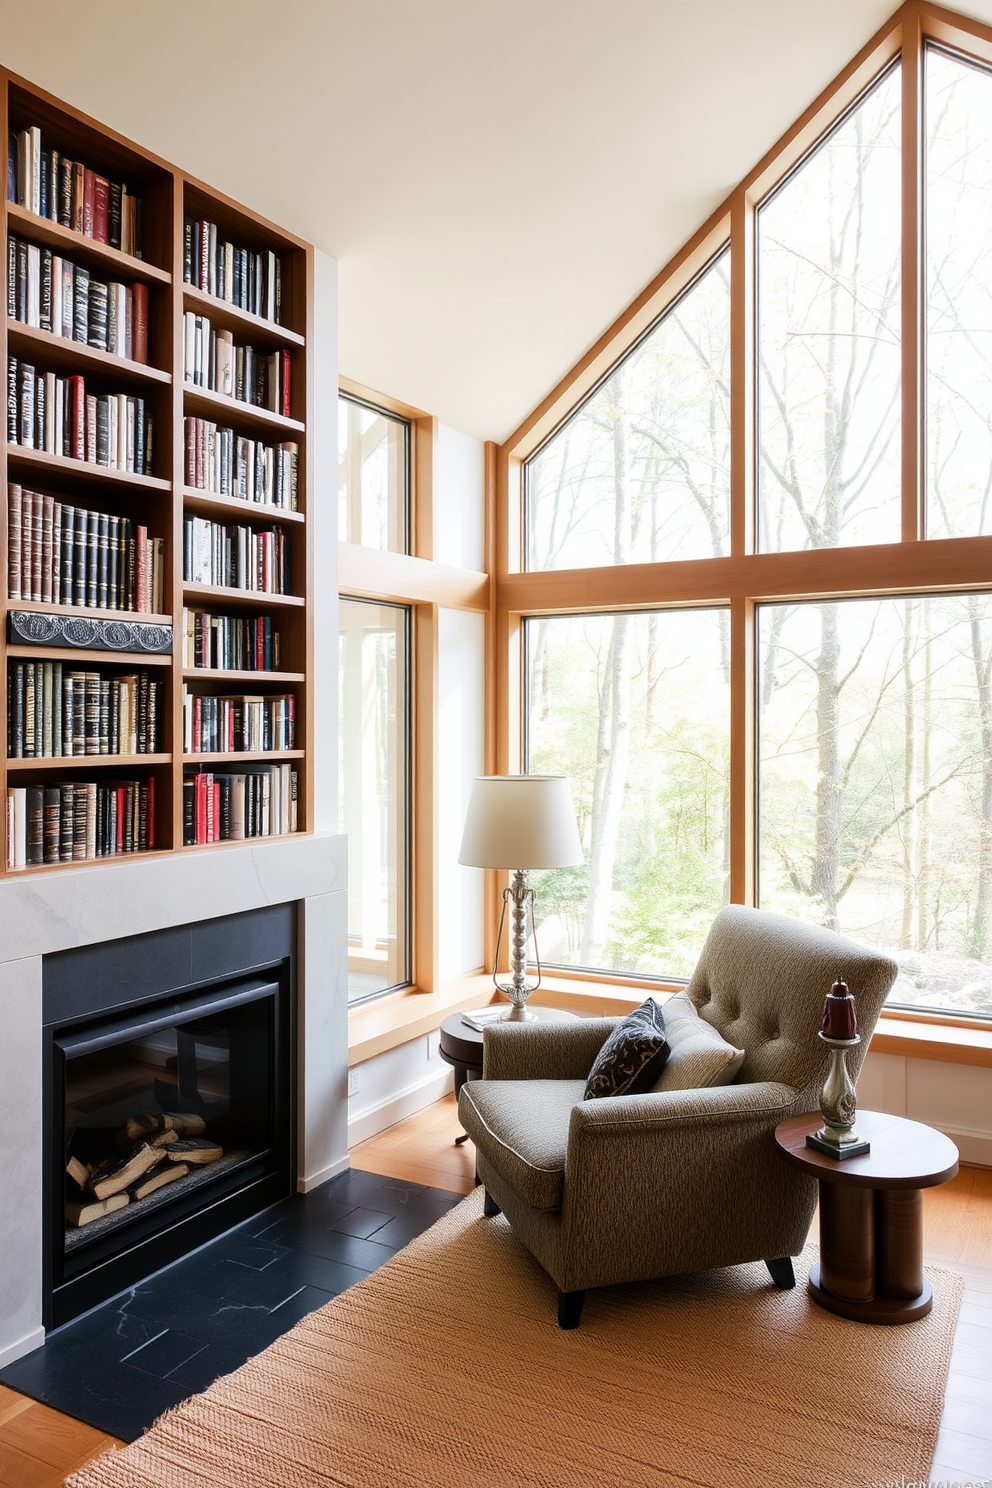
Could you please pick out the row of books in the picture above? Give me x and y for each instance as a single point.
(230, 643)
(48, 183)
(244, 277)
(222, 725)
(56, 711)
(228, 464)
(212, 359)
(69, 821)
(56, 414)
(54, 294)
(69, 555)
(235, 557)
(261, 802)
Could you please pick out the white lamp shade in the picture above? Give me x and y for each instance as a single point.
(520, 821)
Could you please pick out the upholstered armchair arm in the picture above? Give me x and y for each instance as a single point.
(543, 1051)
(621, 1116)
(679, 1181)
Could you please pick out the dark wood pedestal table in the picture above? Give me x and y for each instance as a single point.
(871, 1214)
(461, 1046)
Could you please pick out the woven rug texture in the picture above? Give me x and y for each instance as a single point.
(447, 1368)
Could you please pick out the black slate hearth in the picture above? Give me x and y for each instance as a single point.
(147, 1349)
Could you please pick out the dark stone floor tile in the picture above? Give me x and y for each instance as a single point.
(226, 1281)
(399, 1232)
(300, 1306)
(165, 1353)
(244, 1250)
(303, 1269)
(204, 1367)
(350, 1250)
(361, 1223)
(355, 1185)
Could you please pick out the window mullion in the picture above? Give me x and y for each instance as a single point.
(912, 278)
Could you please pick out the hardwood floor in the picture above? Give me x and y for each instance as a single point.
(38, 1447)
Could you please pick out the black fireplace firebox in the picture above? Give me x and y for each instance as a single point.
(168, 1100)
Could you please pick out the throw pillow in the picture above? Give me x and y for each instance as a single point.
(699, 1056)
(632, 1056)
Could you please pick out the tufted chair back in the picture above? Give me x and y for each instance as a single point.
(761, 980)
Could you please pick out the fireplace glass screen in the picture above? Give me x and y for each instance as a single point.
(165, 1111)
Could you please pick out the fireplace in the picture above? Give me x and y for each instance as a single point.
(168, 1097)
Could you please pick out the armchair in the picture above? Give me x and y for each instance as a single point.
(625, 1188)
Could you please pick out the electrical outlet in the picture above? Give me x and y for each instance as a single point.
(353, 1082)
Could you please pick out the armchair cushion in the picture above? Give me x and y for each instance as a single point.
(699, 1056)
(522, 1126)
(632, 1056)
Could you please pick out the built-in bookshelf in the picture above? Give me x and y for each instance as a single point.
(155, 549)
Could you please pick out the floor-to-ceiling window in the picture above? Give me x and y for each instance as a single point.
(746, 602)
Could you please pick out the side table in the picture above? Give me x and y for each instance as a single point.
(461, 1046)
(871, 1214)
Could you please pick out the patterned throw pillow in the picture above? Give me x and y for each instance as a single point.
(700, 1057)
(631, 1059)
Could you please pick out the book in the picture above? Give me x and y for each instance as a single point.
(481, 1018)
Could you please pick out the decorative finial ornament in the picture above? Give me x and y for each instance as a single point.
(838, 1101)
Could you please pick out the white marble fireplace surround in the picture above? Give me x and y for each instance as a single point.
(42, 913)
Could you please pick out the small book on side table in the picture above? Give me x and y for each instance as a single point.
(481, 1018)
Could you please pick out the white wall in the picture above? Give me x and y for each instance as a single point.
(396, 1084)
(461, 756)
(955, 1098)
(323, 516)
(459, 500)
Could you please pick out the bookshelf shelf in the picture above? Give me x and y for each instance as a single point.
(220, 674)
(261, 332)
(256, 598)
(220, 407)
(107, 173)
(64, 762)
(209, 502)
(100, 256)
(61, 354)
(231, 756)
(72, 655)
(40, 462)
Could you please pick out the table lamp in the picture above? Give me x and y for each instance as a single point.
(519, 822)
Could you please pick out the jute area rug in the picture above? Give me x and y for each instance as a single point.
(446, 1368)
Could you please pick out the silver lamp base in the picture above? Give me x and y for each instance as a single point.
(838, 1103)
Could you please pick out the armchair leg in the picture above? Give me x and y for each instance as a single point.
(490, 1207)
(570, 1308)
(782, 1273)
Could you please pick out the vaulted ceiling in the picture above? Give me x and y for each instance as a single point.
(496, 178)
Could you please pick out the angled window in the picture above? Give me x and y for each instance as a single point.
(958, 187)
(373, 477)
(374, 771)
(634, 708)
(641, 471)
(828, 334)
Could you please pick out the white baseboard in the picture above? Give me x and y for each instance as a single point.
(974, 1146)
(314, 1180)
(414, 1098)
(15, 1351)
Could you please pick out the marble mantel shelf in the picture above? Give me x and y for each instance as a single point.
(45, 912)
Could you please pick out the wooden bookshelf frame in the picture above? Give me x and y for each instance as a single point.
(914, 565)
(160, 500)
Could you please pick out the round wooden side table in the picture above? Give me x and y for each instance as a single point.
(461, 1046)
(871, 1214)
